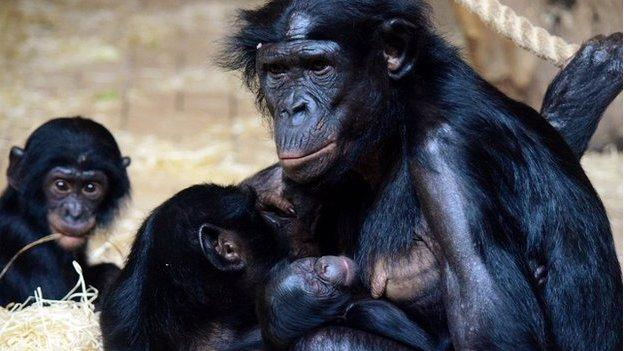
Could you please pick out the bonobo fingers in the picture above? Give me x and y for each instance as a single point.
(273, 201)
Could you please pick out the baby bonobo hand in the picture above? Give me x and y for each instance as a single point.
(288, 208)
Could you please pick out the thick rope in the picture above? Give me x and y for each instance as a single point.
(521, 31)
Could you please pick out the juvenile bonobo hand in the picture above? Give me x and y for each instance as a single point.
(269, 186)
(287, 207)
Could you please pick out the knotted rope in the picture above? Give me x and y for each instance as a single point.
(521, 31)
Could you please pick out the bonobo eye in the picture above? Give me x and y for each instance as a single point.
(91, 189)
(320, 66)
(276, 69)
(61, 186)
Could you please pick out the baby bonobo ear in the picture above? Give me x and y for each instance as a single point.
(400, 47)
(16, 155)
(222, 247)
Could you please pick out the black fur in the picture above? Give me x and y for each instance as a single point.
(294, 312)
(59, 142)
(171, 296)
(483, 181)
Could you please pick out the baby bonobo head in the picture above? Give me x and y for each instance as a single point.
(311, 291)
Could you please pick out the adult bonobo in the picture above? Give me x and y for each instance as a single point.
(471, 188)
(69, 178)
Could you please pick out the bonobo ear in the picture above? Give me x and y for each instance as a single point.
(221, 247)
(400, 46)
(125, 161)
(16, 155)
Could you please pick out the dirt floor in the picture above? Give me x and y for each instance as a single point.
(145, 69)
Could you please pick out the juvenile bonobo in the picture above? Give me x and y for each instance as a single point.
(69, 178)
(475, 186)
(320, 306)
(191, 278)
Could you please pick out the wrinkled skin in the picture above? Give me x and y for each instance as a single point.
(304, 82)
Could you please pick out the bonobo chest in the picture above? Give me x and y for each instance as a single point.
(414, 279)
(396, 245)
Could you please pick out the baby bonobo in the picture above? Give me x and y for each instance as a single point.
(192, 275)
(320, 306)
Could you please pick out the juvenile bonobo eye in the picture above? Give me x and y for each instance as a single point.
(61, 186)
(92, 189)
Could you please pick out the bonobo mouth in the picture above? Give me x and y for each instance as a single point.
(294, 159)
(73, 235)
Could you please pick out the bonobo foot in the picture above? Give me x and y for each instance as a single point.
(580, 93)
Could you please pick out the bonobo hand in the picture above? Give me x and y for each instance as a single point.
(277, 201)
(269, 187)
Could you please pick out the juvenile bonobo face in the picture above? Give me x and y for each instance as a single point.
(302, 81)
(73, 198)
(322, 276)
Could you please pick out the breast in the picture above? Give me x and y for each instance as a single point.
(415, 279)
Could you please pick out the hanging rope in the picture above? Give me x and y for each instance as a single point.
(521, 31)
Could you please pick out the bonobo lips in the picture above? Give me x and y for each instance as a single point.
(294, 159)
(73, 235)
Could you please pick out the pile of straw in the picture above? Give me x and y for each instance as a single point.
(41, 324)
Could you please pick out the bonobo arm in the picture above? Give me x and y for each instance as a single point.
(488, 302)
(580, 93)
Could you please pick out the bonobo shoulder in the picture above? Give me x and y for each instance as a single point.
(435, 141)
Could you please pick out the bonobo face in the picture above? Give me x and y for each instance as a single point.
(73, 197)
(322, 276)
(330, 99)
(302, 82)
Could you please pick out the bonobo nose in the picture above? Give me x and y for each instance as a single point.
(297, 111)
(72, 210)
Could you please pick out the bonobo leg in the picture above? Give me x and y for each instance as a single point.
(580, 93)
